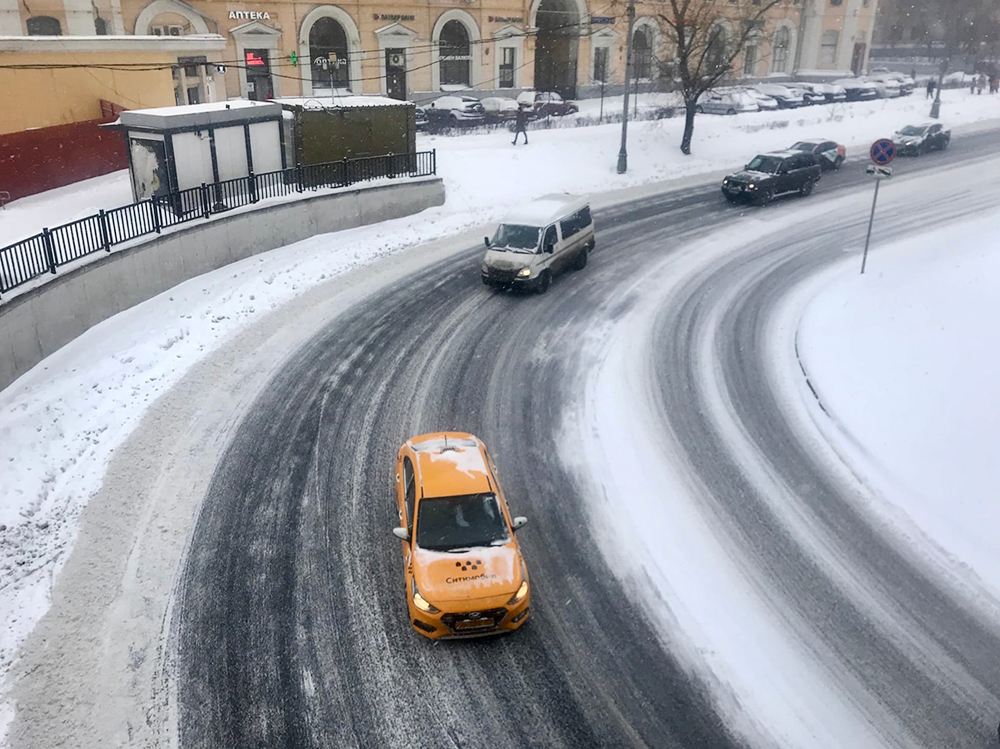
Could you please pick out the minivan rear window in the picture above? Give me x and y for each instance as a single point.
(516, 238)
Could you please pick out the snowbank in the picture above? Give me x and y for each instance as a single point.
(904, 359)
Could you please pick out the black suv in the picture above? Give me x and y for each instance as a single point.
(772, 174)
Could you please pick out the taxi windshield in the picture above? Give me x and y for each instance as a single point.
(516, 238)
(463, 522)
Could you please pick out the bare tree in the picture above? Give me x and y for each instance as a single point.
(708, 36)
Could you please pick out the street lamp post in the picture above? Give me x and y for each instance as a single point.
(623, 153)
(936, 106)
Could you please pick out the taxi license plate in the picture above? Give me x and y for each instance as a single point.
(474, 624)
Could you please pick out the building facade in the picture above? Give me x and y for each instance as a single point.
(418, 48)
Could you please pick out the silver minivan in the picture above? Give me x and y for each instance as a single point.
(537, 241)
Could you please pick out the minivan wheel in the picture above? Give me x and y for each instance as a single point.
(543, 282)
(806, 189)
(581, 260)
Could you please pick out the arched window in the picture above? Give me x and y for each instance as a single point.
(44, 26)
(101, 26)
(715, 55)
(642, 48)
(779, 55)
(455, 55)
(328, 49)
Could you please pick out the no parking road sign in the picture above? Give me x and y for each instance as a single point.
(883, 151)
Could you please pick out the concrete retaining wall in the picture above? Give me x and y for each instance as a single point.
(39, 322)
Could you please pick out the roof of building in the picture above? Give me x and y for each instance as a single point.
(546, 210)
(217, 113)
(450, 464)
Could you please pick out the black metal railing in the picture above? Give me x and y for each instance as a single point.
(46, 251)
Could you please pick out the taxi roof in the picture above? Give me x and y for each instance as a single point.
(450, 464)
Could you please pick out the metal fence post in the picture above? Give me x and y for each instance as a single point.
(154, 204)
(102, 221)
(203, 194)
(345, 171)
(298, 177)
(253, 188)
(434, 161)
(50, 254)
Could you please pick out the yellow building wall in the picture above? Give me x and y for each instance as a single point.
(58, 97)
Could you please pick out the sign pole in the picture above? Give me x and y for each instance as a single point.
(871, 220)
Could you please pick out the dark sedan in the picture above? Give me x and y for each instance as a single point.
(916, 140)
(829, 154)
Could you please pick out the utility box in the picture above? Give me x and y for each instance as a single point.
(350, 127)
(171, 149)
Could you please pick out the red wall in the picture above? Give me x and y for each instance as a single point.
(36, 160)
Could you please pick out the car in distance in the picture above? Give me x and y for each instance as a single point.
(727, 102)
(829, 154)
(831, 91)
(857, 89)
(464, 573)
(764, 102)
(916, 140)
(770, 175)
(905, 83)
(455, 111)
(887, 88)
(499, 108)
(786, 98)
(538, 241)
(547, 103)
(809, 97)
(421, 118)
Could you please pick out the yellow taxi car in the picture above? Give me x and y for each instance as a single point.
(465, 576)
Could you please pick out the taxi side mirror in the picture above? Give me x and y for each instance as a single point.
(520, 522)
(401, 533)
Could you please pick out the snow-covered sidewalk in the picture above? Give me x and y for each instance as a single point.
(486, 173)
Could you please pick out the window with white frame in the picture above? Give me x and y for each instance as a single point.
(455, 57)
(508, 64)
(779, 53)
(828, 47)
(601, 58)
(642, 49)
(750, 59)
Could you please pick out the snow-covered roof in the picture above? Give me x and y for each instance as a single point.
(546, 210)
(341, 102)
(217, 113)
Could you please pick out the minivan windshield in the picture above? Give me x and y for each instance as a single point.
(459, 523)
(766, 164)
(516, 238)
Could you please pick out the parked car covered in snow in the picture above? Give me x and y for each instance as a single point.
(829, 154)
(887, 88)
(857, 89)
(455, 111)
(731, 101)
(809, 97)
(547, 103)
(831, 91)
(764, 102)
(916, 140)
(786, 98)
(499, 108)
(421, 118)
(906, 84)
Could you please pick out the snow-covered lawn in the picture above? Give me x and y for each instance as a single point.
(905, 360)
(486, 173)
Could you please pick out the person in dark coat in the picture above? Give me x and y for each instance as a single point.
(930, 87)
(521, 124)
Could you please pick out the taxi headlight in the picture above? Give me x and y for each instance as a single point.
(524, 273)
(521, 593)
(422, 603)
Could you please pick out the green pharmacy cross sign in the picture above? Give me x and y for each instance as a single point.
(294, 58)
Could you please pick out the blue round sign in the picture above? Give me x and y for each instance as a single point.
(883, 151)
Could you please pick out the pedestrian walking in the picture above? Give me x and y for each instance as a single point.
(913, 73)
(982, 83)
(521, 124)
(994, 84)
(930, 88)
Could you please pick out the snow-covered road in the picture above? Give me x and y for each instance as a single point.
(748, 589)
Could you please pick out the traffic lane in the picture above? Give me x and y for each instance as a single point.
(921, 654)
(293, 628)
